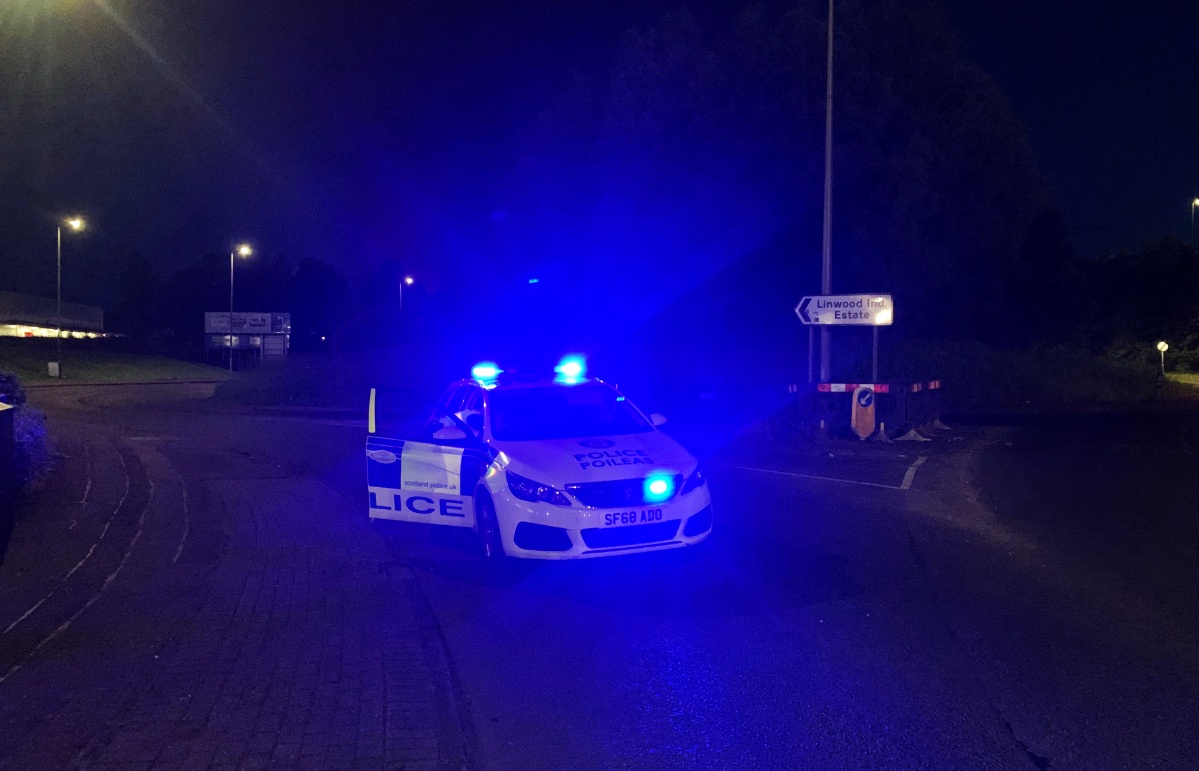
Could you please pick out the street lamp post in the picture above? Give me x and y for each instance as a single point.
(408, 281)
(74, 224)
(243, 250)
(1194, 203)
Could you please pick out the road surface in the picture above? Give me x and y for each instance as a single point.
(198, 587)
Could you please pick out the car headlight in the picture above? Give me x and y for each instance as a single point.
(528, 490)
(696, 480)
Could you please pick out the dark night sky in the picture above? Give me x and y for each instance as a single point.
(357, 130)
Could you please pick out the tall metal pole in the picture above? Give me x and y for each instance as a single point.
(231, 311)
(1194, 203)
(58, 332)
(826, 262)
(874, 357)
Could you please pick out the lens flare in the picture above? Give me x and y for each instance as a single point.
(485, 372)
(571, 369)
(659, 488)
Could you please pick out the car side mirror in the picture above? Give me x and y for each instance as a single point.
(657, 418)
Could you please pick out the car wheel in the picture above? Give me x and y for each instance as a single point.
(488, 527)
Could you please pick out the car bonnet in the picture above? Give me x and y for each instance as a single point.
(560, 462)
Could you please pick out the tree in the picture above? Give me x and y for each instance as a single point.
(139, 309)
(698, 159)
(318, 299)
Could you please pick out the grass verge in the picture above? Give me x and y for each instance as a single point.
(99, 367)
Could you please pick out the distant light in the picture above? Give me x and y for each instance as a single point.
(485, 371)
(571, 369)
(534, 281)
(1195, 202)
(244, 250)
(1163, 346)
(322, 338)
(620, 398)
(76, 223)
(658, 488)
(409, 280)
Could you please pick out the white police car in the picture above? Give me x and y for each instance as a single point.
(542, 468)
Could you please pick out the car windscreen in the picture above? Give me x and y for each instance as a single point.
(562, 412)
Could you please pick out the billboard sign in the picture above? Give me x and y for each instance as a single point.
(217, 323)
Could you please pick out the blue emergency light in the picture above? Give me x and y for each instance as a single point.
(658, 488)
(571, 369)
(485, 372)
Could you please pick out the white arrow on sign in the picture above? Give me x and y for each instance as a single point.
(868, 310)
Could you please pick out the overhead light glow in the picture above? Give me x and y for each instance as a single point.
(245, 250)
(485, 372)
(571, 369)
(408, 280)
(76, 223)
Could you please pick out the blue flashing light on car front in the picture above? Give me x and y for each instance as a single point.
(659, 488)
(485, 372)
(571, 369)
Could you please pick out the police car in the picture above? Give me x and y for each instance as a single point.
(542, 468)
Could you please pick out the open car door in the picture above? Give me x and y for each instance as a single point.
(420, 481)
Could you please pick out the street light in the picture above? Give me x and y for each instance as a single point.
(242, 250)
(408, 281)
(1162, 347)
(1194, 203)
(75, 225)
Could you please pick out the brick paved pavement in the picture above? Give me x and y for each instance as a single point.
(160, 613)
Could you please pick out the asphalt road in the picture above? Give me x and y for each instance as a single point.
(1024, 597)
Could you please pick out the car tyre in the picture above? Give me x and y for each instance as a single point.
(488, 527)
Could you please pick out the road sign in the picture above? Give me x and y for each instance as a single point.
(867, 310)
(862, 412)
(218, 322)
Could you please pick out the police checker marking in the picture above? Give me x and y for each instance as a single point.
(642, 517)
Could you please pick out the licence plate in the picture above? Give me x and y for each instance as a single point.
(634, 517)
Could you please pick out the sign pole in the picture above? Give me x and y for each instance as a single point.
(826, 261)
(874, 358)
(811, 349)
(231, 312)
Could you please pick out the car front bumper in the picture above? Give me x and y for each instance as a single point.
(543, 531)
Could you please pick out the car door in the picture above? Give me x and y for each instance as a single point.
(420, 480)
